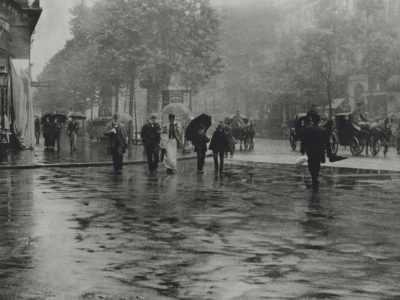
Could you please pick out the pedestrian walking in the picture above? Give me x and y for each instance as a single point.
(170, 141)
(398, 137)
(231, 139)
(315, 144)
(151, 138)
(57, 134)
(4, 138)
(199, 142)
(118, 142)
(72, 132)
(37, 130)
(219, 145)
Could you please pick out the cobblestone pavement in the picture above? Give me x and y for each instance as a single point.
(256, 233)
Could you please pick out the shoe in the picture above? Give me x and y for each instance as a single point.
(200, 172)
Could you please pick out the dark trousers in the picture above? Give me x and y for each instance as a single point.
(58, 142)
(117, 159)
(221, 156)
(3, 152)
(201, 158)
(152, 158)
(37, 136)
(314, 167)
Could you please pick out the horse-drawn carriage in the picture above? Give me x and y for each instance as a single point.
(362, 135)
(243, 131)
(302, 121)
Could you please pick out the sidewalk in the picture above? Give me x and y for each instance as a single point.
(89, 153)
(279, 152)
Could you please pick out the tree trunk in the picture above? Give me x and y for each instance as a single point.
(329, 96)
(132, 110)
(116, 98)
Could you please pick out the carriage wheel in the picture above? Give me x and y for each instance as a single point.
(356, 147)
(374, 146)
(334, 143)
(293, 143)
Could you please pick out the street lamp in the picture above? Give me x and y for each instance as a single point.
(4, 126)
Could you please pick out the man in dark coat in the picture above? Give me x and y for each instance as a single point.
(199, 142)
(151, 137)
(315, 143)
(57, 133)
(37, 130)
(116, 132)
(219, 145)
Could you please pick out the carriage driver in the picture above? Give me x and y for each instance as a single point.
(358, 115)
(237, 119)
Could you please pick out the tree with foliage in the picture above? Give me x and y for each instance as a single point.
(328, 53)
(118, 41)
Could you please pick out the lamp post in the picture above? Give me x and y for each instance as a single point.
(4, 125)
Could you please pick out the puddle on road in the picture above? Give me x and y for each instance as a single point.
(257, 232)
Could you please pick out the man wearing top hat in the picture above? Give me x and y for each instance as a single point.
(169, 144)
(151, 138)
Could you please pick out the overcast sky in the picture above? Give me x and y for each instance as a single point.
(51, 32)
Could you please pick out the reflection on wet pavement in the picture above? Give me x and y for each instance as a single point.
(257, 233)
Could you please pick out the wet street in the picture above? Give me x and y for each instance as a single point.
(256, 233)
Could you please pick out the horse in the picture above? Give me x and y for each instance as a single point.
(244, 134)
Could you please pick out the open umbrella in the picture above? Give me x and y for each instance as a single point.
(60, 117)
(77, 116)
(203, 120)
(43, 119)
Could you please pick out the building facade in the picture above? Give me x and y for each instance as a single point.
(18, 19)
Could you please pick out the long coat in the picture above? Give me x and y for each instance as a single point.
(220, 142)
(117, 141)
(151, 135)
(200, 142)
(315, 143)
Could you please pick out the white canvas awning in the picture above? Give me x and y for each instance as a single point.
(22, 105)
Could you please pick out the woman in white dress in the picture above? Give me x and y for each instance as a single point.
(170, 141)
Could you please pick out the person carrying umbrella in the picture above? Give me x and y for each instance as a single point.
(169, 144)
(199, 142)
(151, 138)
(219, 145)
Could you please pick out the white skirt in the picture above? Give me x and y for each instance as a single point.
(171, 153)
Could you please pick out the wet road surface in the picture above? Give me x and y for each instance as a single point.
(257, 233)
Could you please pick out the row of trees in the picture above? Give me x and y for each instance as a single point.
(314, 63)
(270, 64)
(116, 42)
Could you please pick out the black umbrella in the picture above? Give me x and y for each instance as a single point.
(193, 128)
(335, 158)
(43, 119)
(77, 117)
(60, 117)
